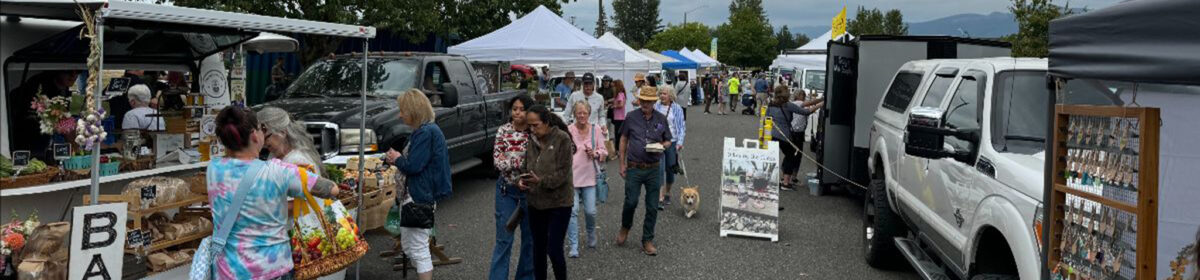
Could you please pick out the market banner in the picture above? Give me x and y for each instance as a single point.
(214, 82)
(713, 49)
(750, 189)
(98, 241)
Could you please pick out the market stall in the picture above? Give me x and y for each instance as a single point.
(147, 175)
(704, 57)
(1124, 164)
(685, 64)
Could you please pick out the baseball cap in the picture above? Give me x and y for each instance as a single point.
(588, 78)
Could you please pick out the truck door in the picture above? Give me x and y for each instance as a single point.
(915, 171)
(956, 179)
(471, 107)
(449, 119)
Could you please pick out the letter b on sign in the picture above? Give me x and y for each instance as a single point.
(97, 241)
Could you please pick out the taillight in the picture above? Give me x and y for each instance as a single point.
(1037, 226)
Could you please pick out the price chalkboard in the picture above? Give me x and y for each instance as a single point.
(62, 151)
(149, 192)
(135, 238)
(147, 240)
(20, 158)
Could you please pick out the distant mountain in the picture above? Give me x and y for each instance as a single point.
(991, 25)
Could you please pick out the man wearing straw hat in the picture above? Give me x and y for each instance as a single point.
(643, 137)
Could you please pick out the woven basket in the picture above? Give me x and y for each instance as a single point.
(331, 263)
(328, 264)
(142, 163)
(28, 180)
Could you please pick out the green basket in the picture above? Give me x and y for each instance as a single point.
(78, 162)
(110, 168)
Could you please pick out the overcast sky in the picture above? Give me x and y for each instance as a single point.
(807, 12)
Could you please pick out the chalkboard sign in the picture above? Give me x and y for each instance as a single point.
(147, 240)
(149, 192)
(117, 86)
(62, 151)
(20, 158)
(135, 238)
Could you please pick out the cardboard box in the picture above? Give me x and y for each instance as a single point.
(375, 216)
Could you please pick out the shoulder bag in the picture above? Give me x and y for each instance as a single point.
(601, 178)
(410, 215)
(212, 246)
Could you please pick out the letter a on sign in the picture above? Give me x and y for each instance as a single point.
(97, 241)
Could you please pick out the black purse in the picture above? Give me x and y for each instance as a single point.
(416, 215)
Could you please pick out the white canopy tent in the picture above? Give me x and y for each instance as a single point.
(700, 60)
(539, 37)
(633, 62)
(657, 56)
(699, 54)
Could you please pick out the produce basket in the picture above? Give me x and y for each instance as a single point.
(110, 168)
(28, 180)
(78, 162)
(317, 249)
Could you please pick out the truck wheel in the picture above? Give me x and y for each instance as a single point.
(880, 227)
(993, 277)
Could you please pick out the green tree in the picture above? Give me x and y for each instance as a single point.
(747, 39)
(875, 22)
(414, 19)
(693, 35)
(601, 21)
(786, 40)
(636, 21)
(801, 39)
(1033, 32)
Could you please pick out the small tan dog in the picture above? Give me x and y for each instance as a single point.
(691, 200)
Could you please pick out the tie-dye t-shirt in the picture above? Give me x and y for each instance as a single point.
(258, 245)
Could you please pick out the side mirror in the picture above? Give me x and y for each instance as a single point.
(925, 137)
(449, 95)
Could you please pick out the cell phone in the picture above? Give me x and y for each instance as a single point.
(527, 176)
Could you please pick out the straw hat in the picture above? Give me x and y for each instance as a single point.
(639, 77)
(648, 93)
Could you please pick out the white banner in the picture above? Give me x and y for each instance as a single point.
(750, 189)
(98, 241)
(214, 82)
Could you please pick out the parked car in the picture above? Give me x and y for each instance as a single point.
(956, 178)
(326, 96)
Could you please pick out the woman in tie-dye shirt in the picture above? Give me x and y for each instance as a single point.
(258, 246)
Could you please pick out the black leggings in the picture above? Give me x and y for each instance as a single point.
(791, 159)
(549, 230)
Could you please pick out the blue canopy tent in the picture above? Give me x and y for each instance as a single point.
(684, 62)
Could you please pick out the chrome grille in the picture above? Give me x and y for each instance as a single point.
(325, 137)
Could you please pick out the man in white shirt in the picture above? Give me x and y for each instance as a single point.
(587, 94)
(138, 117)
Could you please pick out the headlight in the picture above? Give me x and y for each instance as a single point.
(349, 140)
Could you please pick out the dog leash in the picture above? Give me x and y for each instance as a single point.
(679, 158)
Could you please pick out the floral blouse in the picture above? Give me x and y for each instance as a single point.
(509, 152)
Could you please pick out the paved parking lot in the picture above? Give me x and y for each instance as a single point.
(819, 236)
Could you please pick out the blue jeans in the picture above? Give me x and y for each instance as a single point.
(508, 201)
(588, 196)
(670, 160)
(635, 180)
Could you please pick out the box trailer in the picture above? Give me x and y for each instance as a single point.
(858, 73)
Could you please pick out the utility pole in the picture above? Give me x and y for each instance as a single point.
(692, 10)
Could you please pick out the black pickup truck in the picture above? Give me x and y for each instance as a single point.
(326, 96)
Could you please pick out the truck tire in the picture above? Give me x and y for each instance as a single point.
(880, 228)
(993, 277)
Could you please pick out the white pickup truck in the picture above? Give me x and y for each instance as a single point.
(956, 168)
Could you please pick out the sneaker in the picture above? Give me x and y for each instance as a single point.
(788, 187)
(666, 200)
(574, 254)
(591, 241)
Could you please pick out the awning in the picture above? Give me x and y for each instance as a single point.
(1152, 41)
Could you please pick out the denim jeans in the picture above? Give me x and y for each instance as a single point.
(635, 180)
(549, 229)
(587, 195)
(508, 201)
(670, 160)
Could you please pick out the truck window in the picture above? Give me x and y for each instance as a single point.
(1019, 112)
(435, 76)
(933, 97)
(338, 77)
(900, 94)
(461, 72)
(963, 113)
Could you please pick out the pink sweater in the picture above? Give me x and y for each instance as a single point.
(583, 165)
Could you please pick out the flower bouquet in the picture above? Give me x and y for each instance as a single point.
(14, 234)
(54, 115)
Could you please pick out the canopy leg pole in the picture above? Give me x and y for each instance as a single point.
(96, 98)
(362, 145)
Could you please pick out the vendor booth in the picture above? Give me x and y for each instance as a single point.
(542, 37)
(1145, 130)
(71, 152)
(704, 57)
(685, 64)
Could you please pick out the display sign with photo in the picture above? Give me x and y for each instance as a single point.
(750, 189)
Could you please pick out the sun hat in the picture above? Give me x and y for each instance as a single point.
(648, 93)
(639, 77)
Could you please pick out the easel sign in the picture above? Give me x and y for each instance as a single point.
(98, 241)
(750, 189)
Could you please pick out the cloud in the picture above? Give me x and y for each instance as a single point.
(797, 13)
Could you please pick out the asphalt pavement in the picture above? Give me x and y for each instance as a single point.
(820, 237)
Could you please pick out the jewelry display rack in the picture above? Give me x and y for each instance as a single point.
(1104, 214)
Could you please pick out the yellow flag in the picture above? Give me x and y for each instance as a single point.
(839, 24)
